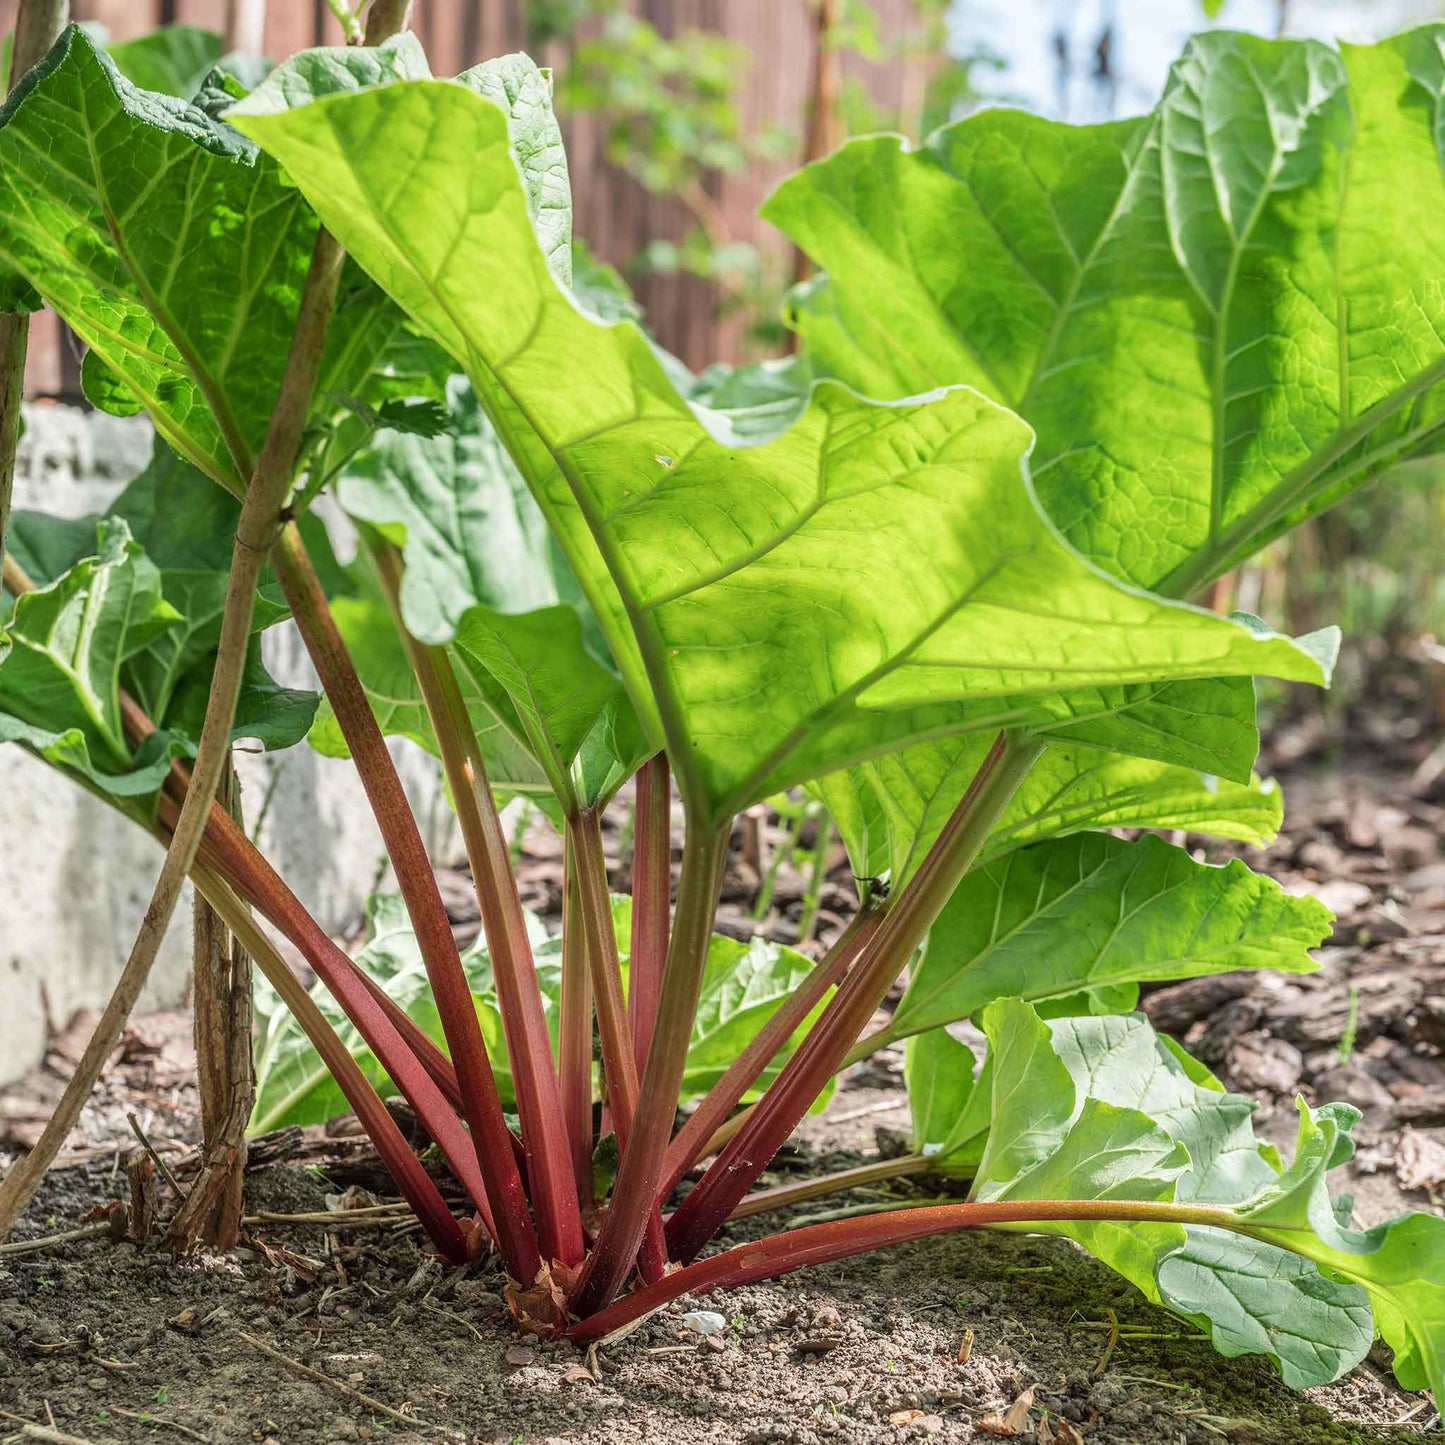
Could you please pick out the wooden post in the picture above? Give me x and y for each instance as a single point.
(221, 997)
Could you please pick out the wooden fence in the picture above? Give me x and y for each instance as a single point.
(614, 214)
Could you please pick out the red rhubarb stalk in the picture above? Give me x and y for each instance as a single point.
(574, 1031)
(905, 925)
(651, 895)
(250, 875)
(691, 1141)
(841, 1238)
(634, 1196)
(481, 1103)
(524, 1023)
(415, 1184)
(619, 1067)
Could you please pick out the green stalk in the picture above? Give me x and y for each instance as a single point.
(634, 1195)
(259, 523)
(574, 1030)
(651, 897)
(481, 1103)
(529, 1048)
(879, 1172)
(691, 1141)
(906, 924)
(838, 1239)
(619, 1065)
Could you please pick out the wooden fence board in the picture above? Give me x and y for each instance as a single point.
(612, 212)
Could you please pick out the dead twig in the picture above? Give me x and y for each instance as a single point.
(162, 1167)
(1109, 1344)
(148, 1419)
(54, 1437)
(367, 1214)
(369, 1401)
(51, 1241)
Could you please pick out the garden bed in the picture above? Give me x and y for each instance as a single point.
(124, 1344)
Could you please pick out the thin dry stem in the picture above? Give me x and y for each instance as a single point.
(258, 526)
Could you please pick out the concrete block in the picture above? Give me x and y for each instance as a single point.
(75, 876)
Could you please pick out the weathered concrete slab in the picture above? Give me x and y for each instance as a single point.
(75, 876)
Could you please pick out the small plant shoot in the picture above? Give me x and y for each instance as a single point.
(939, 575)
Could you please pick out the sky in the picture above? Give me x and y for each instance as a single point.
(1146, 36)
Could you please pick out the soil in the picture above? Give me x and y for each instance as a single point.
(347, 1330)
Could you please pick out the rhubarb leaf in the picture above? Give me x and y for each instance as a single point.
(1401, 1264)
(938, 1071)
(469, 531)
(572, 713)
(890, 809)
(1093, 911)
(334, 69)
(743, 986)
(1219, 317)
(173, 249)
(63, 647)
(1095, 1100)
(276, 717)
(173, 60)
(186, 529)
(482, 573)
(748, 587)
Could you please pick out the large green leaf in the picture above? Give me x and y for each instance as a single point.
(63, 647)
(875, 555)
(173, 60)
(482, 574)
(1101, 1109)
(1400, 1264)
(1218, 317)
(469, 531)
(187, 529)
(266, 712)
(891, 809)
(571, 711)
(69, 749)
(173, 249)
(742, 987)
(184, 527)
(1093, 911)
(938, 1071)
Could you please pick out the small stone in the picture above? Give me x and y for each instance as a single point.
(704, 1322)
(1352, 1083)
(1262, 1064)
(520, 1356)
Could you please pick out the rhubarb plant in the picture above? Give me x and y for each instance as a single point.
(936, 570)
